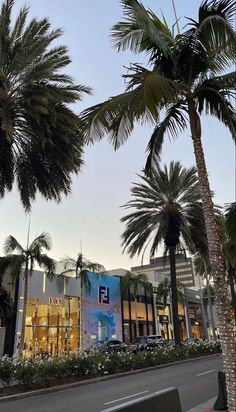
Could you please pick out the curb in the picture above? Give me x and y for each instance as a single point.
(60, 388)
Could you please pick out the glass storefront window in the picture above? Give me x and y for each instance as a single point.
(52, 329)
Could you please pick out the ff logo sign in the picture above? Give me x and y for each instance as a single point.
(103, 295)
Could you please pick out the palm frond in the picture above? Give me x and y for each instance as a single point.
(214, 102)
(140, 29)
(48, 264)
(230, 220)
(13, 264)
(43, 241)
(173, 123)
(11, 245)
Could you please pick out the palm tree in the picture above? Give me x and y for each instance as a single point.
(230, 220)
(167, 209)
(40, 144)
(24, 262)
(164, 291)
(5, 305)
(81, 267)
(203, 269)
(134, 282)
(184, 79)
(227, 235)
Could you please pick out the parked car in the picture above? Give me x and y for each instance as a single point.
(193, 341)
(159, 339)
(112, 345)
(170, 342)
(143, 343)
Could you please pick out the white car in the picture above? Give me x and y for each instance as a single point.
(159, 339)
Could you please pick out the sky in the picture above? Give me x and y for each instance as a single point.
(89, 219)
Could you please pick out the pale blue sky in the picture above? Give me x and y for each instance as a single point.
(92, 211)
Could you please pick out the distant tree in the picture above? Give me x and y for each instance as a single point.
(164, 291)
(40, 142)
(81, 266)
(24, 262)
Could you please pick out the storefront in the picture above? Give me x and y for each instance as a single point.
(52, 328)
(164, 325)
(52, 316)
(138, 319)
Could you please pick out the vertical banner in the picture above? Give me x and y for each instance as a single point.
(102, 309)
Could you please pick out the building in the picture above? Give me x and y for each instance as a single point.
(159, 267)
(53, 312)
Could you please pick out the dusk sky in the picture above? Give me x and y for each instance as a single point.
(91, 214)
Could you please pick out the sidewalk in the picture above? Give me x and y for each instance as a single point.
(205, 407)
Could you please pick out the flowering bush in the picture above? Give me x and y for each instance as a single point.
(48, 371)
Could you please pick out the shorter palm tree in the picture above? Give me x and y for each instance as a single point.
(227, 229)
(24, 262)
(5, 305)
(163, 291)
(166, 209)
(134, 282)
(81, 267)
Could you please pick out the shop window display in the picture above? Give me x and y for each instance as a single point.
(53, 328)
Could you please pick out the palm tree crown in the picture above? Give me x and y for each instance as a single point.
(81, 266)
(167, 208)
(185, 72)
(135, 281)
(40, 144)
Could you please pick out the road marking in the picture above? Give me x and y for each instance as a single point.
(125, 397)
(204, 373)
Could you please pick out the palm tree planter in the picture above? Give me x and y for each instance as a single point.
(167, 209)
(81, 267)
(24, 262)
(185, 79)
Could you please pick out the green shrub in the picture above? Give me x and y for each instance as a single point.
(7, 371)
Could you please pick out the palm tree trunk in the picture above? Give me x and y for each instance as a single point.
(209, 299)
(232, 289)
(204, 324)
(22, 338)
(174, 296)
(136, 317)
(223, 310)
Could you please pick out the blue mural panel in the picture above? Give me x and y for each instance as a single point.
(102, 309)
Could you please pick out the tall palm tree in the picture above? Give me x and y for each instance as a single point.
(40, 144)
(81, 266)
(184, 80)
(134, 282)
(167, 209)
(24, 262)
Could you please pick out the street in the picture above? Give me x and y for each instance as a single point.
(196, 381)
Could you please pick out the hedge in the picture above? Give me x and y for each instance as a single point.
(50, 371)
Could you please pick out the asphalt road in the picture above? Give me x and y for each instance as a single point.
(196, 381)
